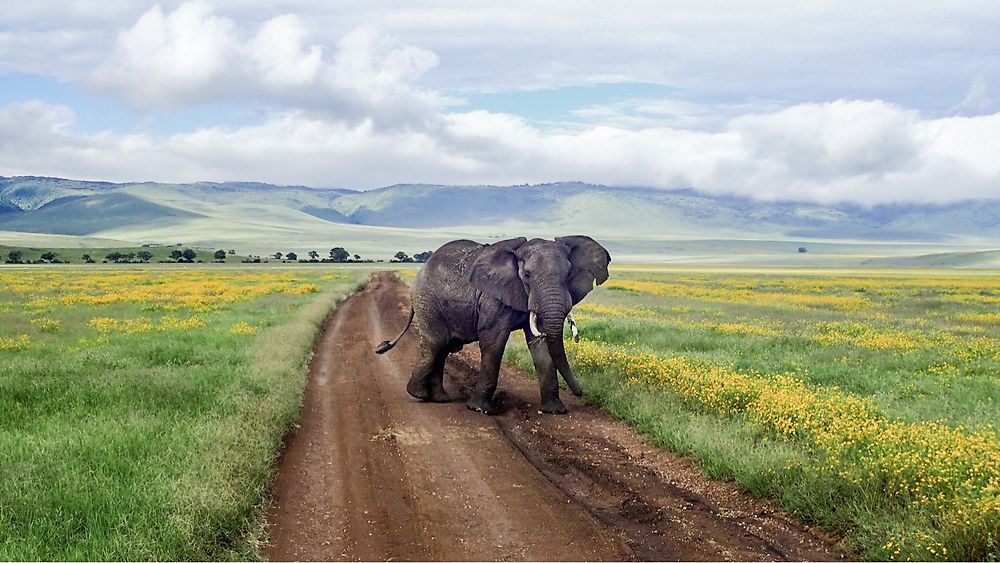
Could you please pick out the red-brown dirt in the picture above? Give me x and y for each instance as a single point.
(372, 474)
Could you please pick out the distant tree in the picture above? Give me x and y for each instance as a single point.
(189, 254)
(357, 257)
(291, 256)
(128, 257)
(176, 255)
(339, 254)
(422, 256)
(402, 257)
(232, 252)
(277, 255)
(313, 255)
(86, 258)
(14, 257)
(116, 257)
(144, 255)
(49, 256)
(802, 250)
(220, 255)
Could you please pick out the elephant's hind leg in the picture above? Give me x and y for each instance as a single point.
(435, 379)
(430, 367)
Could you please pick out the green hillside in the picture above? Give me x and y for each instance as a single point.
(82, 215)
(640, 224)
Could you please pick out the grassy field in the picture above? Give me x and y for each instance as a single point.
(865, 402)
(141, 409)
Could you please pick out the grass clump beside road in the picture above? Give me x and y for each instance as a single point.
(141, 411)
(863, 402)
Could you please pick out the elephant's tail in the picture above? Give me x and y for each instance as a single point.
(387, 345)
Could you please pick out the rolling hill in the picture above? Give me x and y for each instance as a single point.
(262, 218)
(83, 215)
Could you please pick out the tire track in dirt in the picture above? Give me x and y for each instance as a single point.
(372, 474)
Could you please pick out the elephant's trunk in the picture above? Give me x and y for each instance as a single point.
(558, 352)
(553, 308)
(552, 325)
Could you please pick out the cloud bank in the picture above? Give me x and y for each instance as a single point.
(844, 151)
(192, 56)
(358, 115)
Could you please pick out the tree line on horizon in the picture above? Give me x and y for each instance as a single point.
(337, 254)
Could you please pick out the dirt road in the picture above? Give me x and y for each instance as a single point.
(372, 474)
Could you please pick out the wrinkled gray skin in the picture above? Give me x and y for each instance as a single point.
(471, 292)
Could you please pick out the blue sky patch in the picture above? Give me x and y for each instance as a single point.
(96, 113)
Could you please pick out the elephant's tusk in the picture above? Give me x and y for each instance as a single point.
(572, 326)
(533, 325)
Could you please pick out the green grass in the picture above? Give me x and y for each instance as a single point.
(155, 439)
(917, 349)
(141, 409)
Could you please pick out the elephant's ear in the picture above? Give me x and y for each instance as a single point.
(588, 264)
(495, 273)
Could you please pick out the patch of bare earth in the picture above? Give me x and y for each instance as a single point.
(372, 474)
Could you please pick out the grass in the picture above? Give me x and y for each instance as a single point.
(141, 408)
(864, 402)
(141, 411)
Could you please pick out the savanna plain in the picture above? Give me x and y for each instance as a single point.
(142, 408)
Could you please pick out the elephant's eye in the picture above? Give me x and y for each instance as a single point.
(527, 274)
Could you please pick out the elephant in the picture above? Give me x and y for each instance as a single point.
(468, 292)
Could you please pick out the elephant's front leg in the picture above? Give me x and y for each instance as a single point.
(491, 354)
(546, 370)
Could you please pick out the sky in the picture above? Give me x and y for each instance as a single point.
(831, 102)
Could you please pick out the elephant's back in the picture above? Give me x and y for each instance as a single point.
(455, 247)
(442, 286)
(453, 260)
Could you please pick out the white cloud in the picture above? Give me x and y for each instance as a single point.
(922, 54)
(855, 151)
(28, 126)
(170, 60)
(346, 103)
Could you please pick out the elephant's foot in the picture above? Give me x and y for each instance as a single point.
(480, 404)
(439, 395)
(554, 406)
(418, 390)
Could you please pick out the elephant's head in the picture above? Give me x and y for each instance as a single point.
(545, 279)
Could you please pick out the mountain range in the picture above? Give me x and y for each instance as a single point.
(264, 218)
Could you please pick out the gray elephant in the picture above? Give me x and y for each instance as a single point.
(469, 291)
